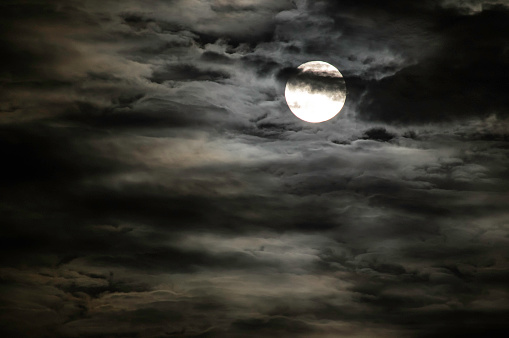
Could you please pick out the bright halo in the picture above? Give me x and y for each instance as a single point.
(317, 92)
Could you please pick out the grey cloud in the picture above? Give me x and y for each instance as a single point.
(334, 87)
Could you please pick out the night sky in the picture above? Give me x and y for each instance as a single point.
(154, 182)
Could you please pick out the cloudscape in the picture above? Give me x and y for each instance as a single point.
(156, 184)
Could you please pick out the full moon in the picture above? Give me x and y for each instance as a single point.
(317, 92)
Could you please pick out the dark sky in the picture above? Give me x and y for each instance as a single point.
(155, 183)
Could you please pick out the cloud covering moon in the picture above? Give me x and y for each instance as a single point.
(317, 92)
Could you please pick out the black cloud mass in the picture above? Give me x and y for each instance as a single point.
(154, 183)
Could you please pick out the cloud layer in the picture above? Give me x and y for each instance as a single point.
(155, 183)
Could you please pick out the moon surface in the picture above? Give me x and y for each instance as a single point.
(317, 92)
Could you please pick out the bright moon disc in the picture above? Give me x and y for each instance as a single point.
(317, 92)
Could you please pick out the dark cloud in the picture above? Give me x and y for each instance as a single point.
(462, 78)
(316, 82)
(378, 134)
(187, 73)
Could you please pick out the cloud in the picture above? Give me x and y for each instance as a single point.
(448, 85)
(317, 83)
(155, 182)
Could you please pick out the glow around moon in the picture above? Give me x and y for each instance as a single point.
(317, 92)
